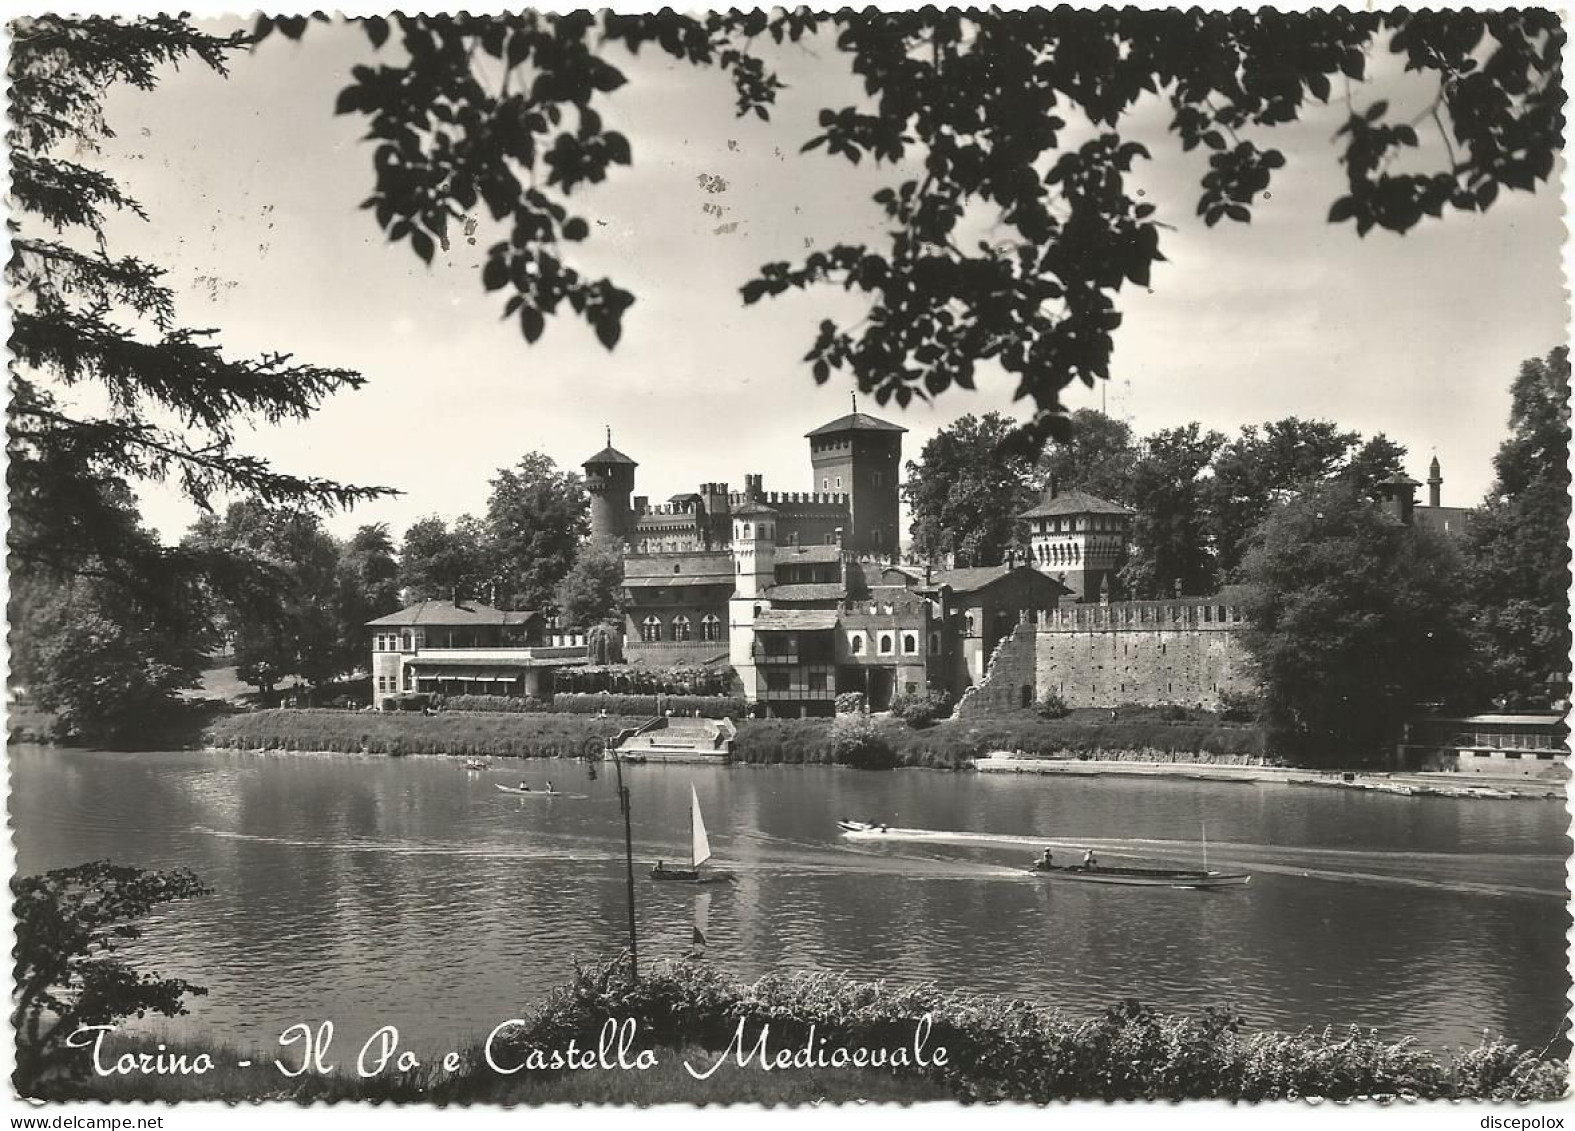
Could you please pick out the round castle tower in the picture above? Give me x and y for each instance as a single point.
(609, 480)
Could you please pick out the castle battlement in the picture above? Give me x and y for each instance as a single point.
(654, 510)
(1188, 612)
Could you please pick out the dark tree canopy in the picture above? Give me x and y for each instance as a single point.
(1097, 457)
(1352, 620)
(69, 925)
(1009, 243)
(437, 563)
(1518, 542)
(966, 490)
(1171, 542)
(104, 328)
(537, 517)
(592, 591)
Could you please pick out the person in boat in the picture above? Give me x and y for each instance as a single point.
(1088, 859)
(661, 866)
(524, 788)
(549, 785)
(1045, 860)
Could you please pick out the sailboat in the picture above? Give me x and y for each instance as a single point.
(700, 852)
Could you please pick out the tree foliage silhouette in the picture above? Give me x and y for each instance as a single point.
(1018, 119)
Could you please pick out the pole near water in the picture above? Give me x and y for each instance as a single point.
(628, 859)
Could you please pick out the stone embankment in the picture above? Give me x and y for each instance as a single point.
(1477, 787)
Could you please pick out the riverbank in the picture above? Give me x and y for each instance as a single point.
(827, 1033)
(1478, 787)
(951, 744)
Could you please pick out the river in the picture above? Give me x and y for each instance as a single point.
(371, 890)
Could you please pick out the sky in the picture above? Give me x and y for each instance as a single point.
(252, 186)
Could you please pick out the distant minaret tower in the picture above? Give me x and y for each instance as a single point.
(609, 480)
(1435, 484)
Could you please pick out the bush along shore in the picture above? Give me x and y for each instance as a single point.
(947, 745)
(794, 1038)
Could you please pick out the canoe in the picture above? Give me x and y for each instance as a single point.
(525, 792)
(1143, 877)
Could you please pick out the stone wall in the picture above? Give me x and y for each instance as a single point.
(1010, 681)
(1148, 652)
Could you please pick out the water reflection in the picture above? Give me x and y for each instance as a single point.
(408, 891)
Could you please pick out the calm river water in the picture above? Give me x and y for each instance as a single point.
(373, 890)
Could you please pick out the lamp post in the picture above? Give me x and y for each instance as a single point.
(628, 854)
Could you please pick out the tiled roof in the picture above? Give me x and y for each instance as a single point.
(609, 454)
(446, 614)
(1445, 520)
(977, 577)
(791, 620)
(678, 581)
(752, 508)
(813, 554)
(1074, 502)
(715, 564)
(855, 422)
(821, 591)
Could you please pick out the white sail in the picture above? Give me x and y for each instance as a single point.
(702, 846)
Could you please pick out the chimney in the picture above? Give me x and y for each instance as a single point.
(1051, 486)
(640, 503)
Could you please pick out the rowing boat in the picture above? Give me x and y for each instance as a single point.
(1141, 877)
(526, 792)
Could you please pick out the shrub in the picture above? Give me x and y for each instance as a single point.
(856, 742)
(500, 704)
(920, 711)
(1174, 713)
(1015, 1050)
(1052, 706)
(1240, 706)
(851, 703)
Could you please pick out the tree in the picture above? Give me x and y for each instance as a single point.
(1266, 466)
(69, 924)
(592, 591)
(536, 518)
(368, 588)
(107, 672)
(604, 643)
(103, 653)
(1167, 490)
(1518, 542)
(1351, 620)
(102, 330)
(966, 491)
(1097, 457)
(439, 564)
(1012, 223)
(290, 623)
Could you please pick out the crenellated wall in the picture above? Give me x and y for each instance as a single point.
(1151, 652)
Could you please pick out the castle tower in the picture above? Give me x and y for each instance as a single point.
(1080, 539)
(609, 480)
(1435, 484)
(861, 456)
(754, 571)
(1399, 497)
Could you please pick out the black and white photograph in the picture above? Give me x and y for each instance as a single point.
(989, 558)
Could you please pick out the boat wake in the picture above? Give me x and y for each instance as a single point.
(1330, 864)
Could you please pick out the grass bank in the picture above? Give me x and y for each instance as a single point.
(395, 733)
(946, 745)
(994, 1049)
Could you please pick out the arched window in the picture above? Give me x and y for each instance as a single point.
(651, 630)
(856, 645)
(710, 627)
(910, 644)
(885, 644)
(680, 627)
(968, 624)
